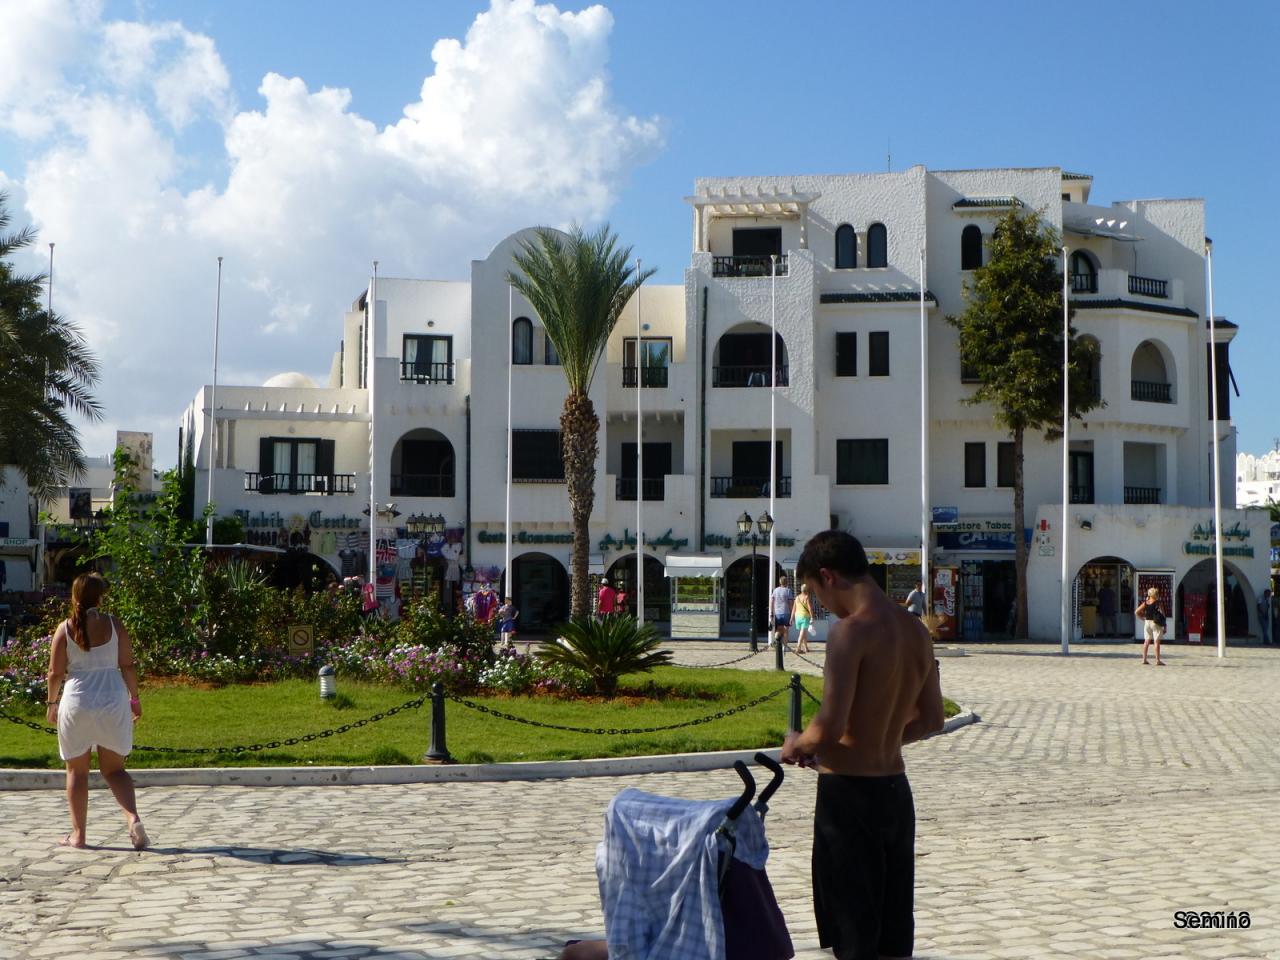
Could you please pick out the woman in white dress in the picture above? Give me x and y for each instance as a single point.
(93, 701)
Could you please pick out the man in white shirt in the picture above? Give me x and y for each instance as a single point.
(783, 603)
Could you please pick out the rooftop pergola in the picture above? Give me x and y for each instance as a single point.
(746, 203)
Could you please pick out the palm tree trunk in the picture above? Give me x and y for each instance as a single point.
(1019, 539)
(579, 427)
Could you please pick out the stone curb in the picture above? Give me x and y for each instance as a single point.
(11, 779)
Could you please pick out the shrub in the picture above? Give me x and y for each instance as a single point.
(606, 649)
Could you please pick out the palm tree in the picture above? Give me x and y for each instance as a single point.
(46, 372)
(578, 284)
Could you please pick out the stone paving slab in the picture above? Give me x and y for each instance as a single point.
(1096, 798)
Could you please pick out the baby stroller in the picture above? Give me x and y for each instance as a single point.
(685, 879)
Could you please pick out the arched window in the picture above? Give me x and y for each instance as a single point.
(877, 246)
(522, 341)
(971, 247)
(1084, 275)
(846, 247)
(549, 355)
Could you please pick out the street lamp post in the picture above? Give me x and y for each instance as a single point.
(746, 528)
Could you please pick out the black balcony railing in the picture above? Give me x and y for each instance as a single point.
(1151, 392)
(739, 488)
(1084, 283)
(752, 375)
(339, 483)
(421, 485)
(1095, 389)
(649, 376)
(1081, 494)
(1147, 287)
(753, 266)
(655, 488)
(420, 372)
(1141, 494)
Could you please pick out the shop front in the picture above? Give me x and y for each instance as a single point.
(696, 594)
(975, 577)
(895, 569)
(1105, 599)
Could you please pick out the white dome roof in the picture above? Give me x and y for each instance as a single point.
(293, 379)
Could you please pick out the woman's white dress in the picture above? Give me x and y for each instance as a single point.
(93, 710)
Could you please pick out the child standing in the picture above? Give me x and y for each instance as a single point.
(507, 614)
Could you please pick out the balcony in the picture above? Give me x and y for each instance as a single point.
(655, 488)
(1147, 287)
(746, 488)
(1142, 495)
(1084, 283)
(421, 485)
(414, 371)
(753, 266)
(300, 483)
(649, 376)
(1150, 392)
(1081, 494)
(755, 375)
(1094, 387)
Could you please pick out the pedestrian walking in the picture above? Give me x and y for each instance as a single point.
(1107, 611)
(915, 602)
(880, 691)
(606, 599)
(1156, 619)
(621, 601)
(803, 616)
(783, 601)
(1264, 616)
(93, 701)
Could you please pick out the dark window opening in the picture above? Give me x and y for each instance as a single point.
(877, 246)
(522, 341)
(846, 354)
(971, 247)
(975, 464)
(878, 354)
(427, 359)
(862, 461)
(846, 247)
(536, 456)
(1004, 465)
(757, 242)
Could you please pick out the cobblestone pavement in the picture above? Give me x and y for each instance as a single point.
(1095, 799)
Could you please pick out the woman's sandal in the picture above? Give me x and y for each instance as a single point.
(66, 842)
(138, 835)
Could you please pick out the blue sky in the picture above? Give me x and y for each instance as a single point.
(1152, 99)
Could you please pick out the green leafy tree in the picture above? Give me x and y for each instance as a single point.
(578, 284)
(606, 649)
(46, 375)
(1011, 340)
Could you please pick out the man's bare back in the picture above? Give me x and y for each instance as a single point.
(881, 686)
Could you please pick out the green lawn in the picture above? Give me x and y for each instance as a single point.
(184, 716)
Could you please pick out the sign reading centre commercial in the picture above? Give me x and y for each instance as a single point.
(1201, 541)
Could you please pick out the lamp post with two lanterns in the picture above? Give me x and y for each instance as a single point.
(748, 527)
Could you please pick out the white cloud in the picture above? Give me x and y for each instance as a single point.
(514, 125)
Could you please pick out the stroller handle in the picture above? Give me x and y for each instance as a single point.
(749, 790)
(766, 761)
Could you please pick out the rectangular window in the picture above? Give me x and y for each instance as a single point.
(427, 359)
(653, 360)
(878, 350)
(862, 461)
(969, 373)
(1004, 465)
(846, 354)
(975, 464)
(536, 456)
(286, 465)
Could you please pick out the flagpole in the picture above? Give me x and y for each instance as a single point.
(1217, 465)
(213, 396)
(1065, 623)
(506, 530)
(49, 309)
(639, 463)
(926, 514)
(773, 422)
(369, 381)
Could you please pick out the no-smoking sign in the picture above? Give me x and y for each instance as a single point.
(301, 639)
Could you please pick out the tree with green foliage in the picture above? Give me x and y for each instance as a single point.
(1011, 340)
(46, 374)
(607, 649)
(578, 284)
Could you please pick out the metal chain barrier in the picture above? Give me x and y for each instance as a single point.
(251, 747)
(811, 663)
(753, 653)
(619, 731)
(810, 695)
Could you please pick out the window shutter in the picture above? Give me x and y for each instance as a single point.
(324, 458)
(267, 456)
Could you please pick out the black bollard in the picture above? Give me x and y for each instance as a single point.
(777, 655)
(437, 752)
(795, 722)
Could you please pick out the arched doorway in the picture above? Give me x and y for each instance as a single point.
(1104, 599)
(541, 592)
(298, 568)
(737, 593)
(744, 354)
(423, 465)
(657, 588)
(1197, 601)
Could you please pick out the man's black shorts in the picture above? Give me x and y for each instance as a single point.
(864, 831)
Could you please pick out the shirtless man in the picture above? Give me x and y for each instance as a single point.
(881, 690)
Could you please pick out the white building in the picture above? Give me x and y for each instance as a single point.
(1258, 479)
(293, 456)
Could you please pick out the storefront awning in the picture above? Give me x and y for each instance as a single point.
(894, 556)
(694, 565)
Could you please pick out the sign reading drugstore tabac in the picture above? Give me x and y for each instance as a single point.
(1201, 542)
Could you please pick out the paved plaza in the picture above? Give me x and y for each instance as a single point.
(1095, 799)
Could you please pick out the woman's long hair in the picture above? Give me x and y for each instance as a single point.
(86, 591)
